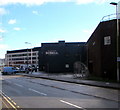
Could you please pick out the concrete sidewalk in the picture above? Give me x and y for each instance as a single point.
(69, 78)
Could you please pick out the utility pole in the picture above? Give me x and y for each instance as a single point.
(117, 41)
(31, 51)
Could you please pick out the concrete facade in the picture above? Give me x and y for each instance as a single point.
(17, 58)
(2, 63)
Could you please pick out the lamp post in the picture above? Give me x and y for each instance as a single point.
(116, 4)
(31, 51)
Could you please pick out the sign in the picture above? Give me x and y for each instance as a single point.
(107, 40)
(51, 52)
(67, 65)
(118, 59)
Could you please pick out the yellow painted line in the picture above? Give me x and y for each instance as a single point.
(7, 99)
(14, 103)
(10, 103)
(18, 106)
(5, 104)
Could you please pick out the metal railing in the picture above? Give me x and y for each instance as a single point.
(110, 17)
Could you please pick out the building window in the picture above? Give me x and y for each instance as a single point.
(107, 40)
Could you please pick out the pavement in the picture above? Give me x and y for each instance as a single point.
(71, 79)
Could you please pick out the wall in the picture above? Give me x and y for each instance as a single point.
(61, 56)
(102, 50)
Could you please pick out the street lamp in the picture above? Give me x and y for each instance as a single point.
(116, 4)
(31, 51)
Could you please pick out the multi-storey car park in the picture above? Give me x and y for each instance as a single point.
(23, 57)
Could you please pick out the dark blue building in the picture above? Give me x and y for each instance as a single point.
(61, 56)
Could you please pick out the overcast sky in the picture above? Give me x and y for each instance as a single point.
(40, 21)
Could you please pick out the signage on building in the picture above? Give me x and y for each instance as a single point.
(107, 40)
(51, 52)
(67, 66)
(118, 59)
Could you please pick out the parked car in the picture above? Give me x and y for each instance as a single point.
(9, 70)
(22, 70)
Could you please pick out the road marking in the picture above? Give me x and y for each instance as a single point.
(10, 103)
(14, 103)
(37, 92)
(72, 104)
(5, 104)
(19, 107)
(1, 78)
(8, 81)
(18, 85)
(14, 83)
(8, 100)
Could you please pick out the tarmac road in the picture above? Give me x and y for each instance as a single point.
(41, 93)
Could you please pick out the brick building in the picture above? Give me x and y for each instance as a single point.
(102, 49)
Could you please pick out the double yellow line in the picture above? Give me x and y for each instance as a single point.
(10, 101)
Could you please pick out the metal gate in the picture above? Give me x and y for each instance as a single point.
(80, 70)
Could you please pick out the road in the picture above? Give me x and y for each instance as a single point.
(25, 92)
